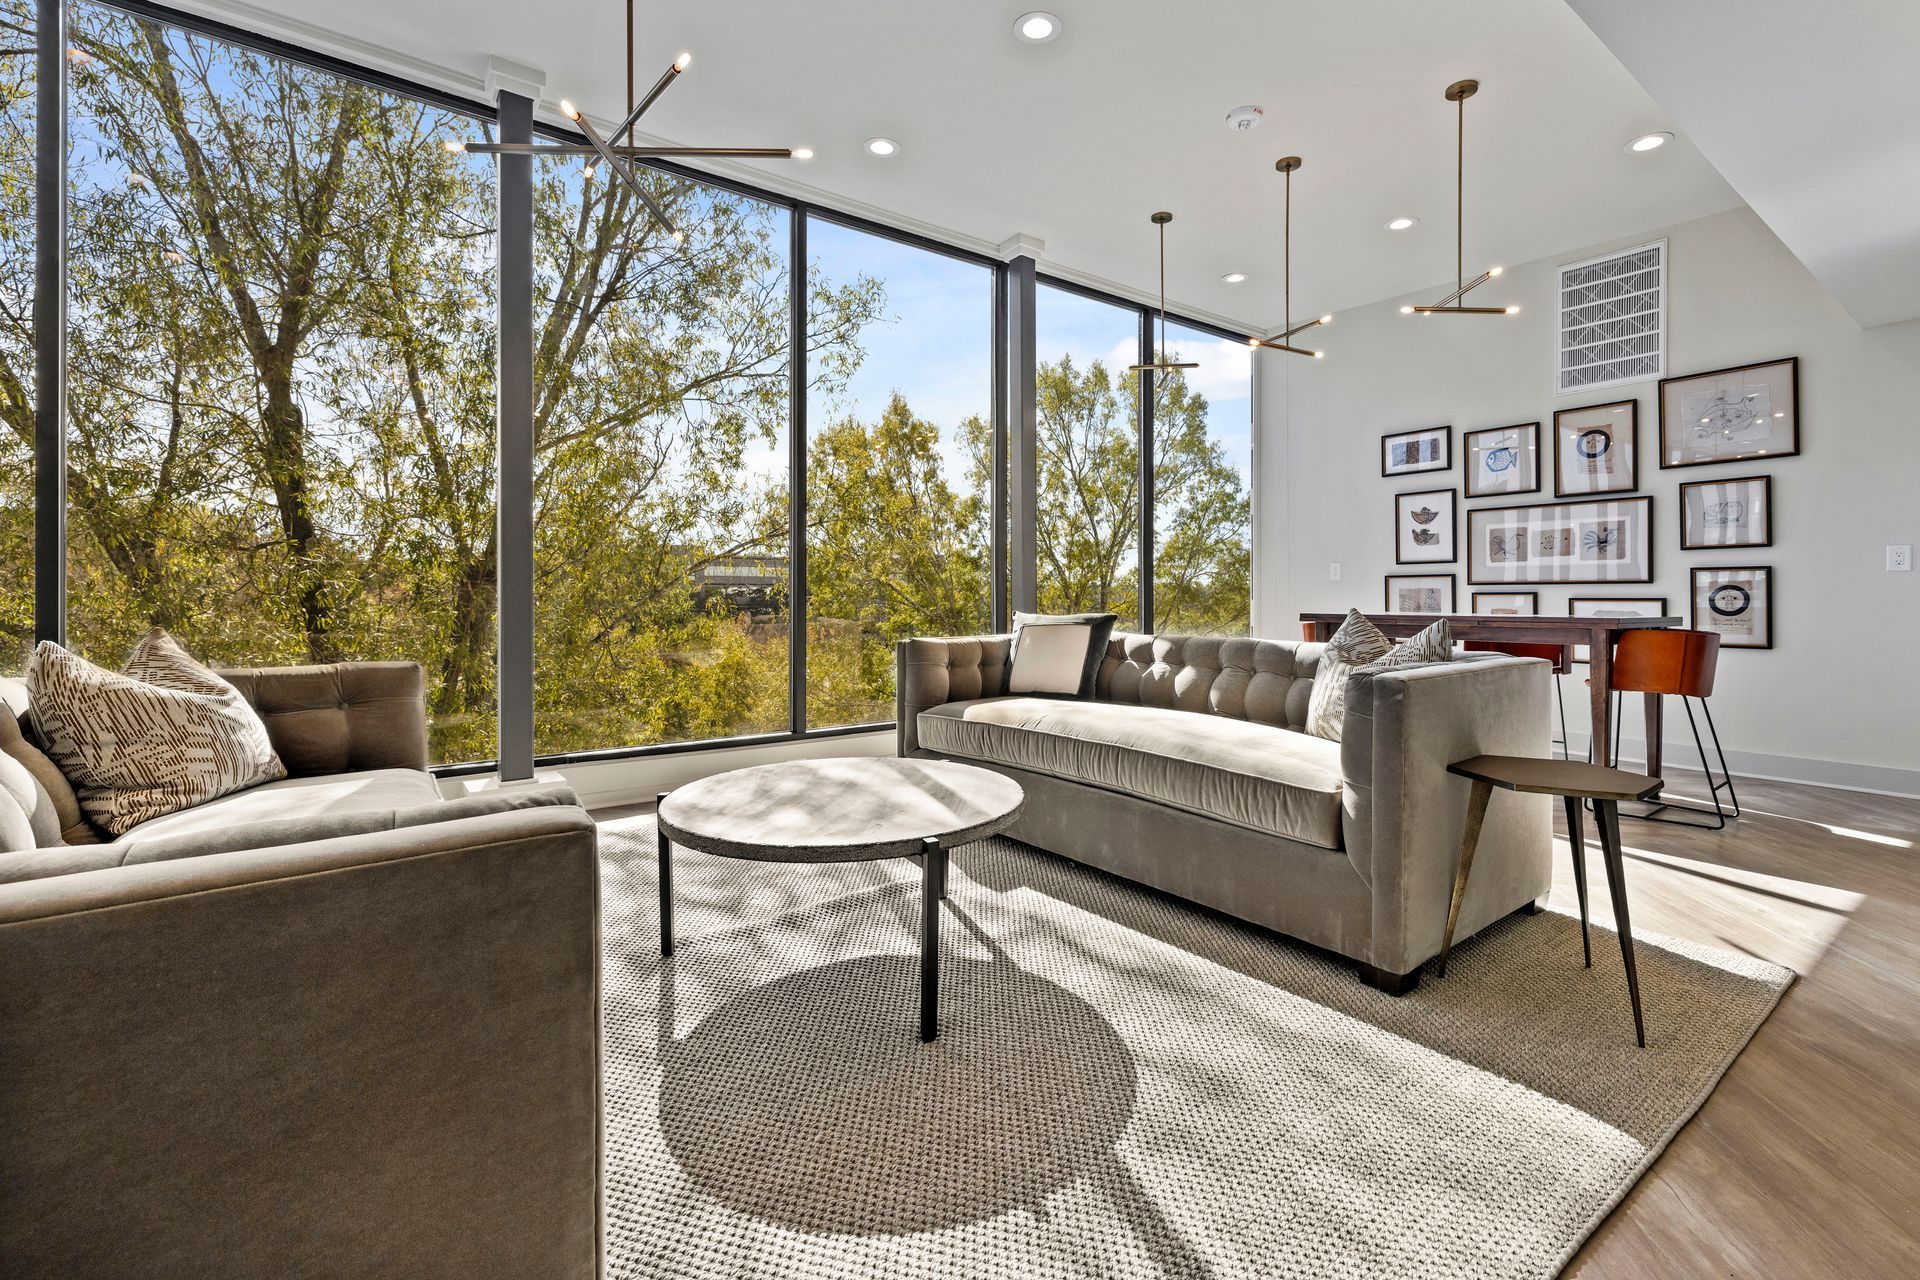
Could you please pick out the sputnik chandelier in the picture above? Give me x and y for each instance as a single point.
(618, 157)
(1162, 364)
(1286, 165)
(1457, 93)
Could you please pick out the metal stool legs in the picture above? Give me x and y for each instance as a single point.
(1720, 812)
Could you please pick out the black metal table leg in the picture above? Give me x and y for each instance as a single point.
(1578, 841)
(1607, 819)
(933, 890)
(666, 881)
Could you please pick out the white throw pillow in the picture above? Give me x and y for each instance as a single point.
(165, 735)
(1355, 644)
(1058, 654)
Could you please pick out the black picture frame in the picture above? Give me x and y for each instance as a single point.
(1453, 525)
(1476, 513)
(1466, 460)
(1667, 425)
(1766, 483)
(1633, 446)
(1445, 464)
(1452, 589)
(1532, 595)
(1693, 612)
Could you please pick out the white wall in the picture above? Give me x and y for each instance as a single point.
(1837, 699)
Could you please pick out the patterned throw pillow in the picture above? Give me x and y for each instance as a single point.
(1357, 643)
(1435, 644)
(165, 735)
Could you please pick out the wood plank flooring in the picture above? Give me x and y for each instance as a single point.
(1805, 1162)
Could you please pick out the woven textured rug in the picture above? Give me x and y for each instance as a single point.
(1124, 1085)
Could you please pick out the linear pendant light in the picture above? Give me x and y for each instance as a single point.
(1163, 365)
(1286, 165)
(1457, 93)
(616, 157)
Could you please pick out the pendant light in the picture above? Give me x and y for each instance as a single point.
(1286, 165)
(619, 158)
(1163, 365)
(1457, 93)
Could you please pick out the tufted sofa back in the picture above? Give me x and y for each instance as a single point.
(1263, 681)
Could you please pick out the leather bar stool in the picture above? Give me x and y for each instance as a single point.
(1682, 664)
(1560, 655)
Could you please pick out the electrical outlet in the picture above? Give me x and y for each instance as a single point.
(1333, 570)
(1900, 559)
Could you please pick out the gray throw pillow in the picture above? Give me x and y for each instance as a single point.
(164, 735)
(1058, 654)
(1354, 645)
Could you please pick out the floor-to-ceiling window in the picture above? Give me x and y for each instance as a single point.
(1202, 485)
(16, 331)
(899, 461)
(281, 366)
(660, 463)
(1088, 508)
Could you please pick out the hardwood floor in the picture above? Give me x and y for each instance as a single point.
(1805, 1162)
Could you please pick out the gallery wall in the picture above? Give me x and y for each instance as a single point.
(1837, 699)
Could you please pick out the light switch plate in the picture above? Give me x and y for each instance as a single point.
(1900, 558)
(1333, 572)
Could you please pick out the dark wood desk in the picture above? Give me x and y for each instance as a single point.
(1598, 634)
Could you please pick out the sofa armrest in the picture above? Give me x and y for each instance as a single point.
(929, 672)
(340, 717)
(376, 1055)
(1404, 813)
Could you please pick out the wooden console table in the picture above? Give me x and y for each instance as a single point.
(1598, 634)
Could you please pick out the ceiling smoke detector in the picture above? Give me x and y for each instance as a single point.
(1241, 119)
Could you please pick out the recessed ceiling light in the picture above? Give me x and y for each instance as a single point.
(1235, 277)
(882, 146)
(1401, 224)
(1037, 27)
(1649, 142)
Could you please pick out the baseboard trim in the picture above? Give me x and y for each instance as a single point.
(1873, 779)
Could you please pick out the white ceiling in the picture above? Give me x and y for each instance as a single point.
(1078, 140)
(1812, 111)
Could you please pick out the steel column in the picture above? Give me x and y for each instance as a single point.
(1001, 618)
(1023, 426)
(513, 493)
(1149, 382)
(797, 281)
(50, 324)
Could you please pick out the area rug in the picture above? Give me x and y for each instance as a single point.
(1124, 1085)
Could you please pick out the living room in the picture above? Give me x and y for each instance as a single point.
(869, 639)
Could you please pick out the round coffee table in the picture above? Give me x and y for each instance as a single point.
(845, 809)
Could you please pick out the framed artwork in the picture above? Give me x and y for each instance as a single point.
(1613, 607)
(1407, 453)
(1736, 605)
(1596, 449)
(1727, 513)
(1518, 604)
(1426, 527)
(1731, 415)
(1502, 460)
(1603, 540)
(1419, 593)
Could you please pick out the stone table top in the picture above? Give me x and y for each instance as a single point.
(844, 809)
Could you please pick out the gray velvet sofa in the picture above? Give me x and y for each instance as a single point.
(330, 1026)
(1189, 771)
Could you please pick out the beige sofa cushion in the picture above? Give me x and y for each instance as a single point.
(1268, 779)
(327, 796)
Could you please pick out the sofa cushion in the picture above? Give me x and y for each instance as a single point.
(1058, 653)
(1357, 643)
(331, 796)
(1272, 780)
